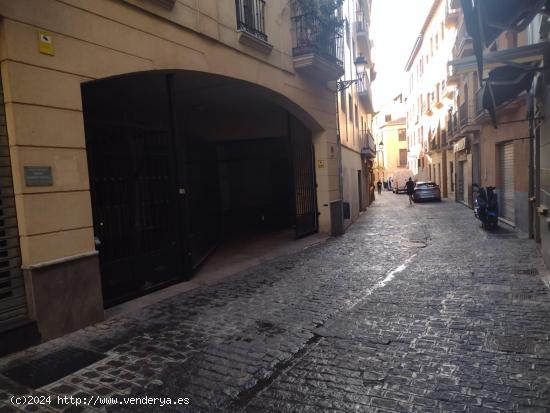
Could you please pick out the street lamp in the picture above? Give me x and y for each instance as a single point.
(379, 151)
(361, 66)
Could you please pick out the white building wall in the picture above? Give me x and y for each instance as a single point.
(428, 69)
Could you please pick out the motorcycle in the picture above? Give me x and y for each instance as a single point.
(486, 206)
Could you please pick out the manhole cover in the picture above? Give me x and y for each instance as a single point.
(44, 370)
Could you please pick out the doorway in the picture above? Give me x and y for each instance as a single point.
(507, 186)
(168, 184)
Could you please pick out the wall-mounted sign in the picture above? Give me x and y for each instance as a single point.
(321, 164)
(461, 145)
(38, 176)
(45, 43)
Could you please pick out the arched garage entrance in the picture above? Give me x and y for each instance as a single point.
(180, 160)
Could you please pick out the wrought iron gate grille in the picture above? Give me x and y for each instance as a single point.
(13, 303)
(134, 188)
(135, 203)
(305, 187)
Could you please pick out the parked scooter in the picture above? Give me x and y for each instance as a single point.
(486, 206)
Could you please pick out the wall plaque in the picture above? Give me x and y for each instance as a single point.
(45, 43)
(38, 176)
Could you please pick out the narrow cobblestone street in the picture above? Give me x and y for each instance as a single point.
(414, 309)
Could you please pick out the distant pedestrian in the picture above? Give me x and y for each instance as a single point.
(410, 189)
(379, 186)
(390, 183)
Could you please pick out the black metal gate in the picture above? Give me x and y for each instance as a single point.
(136, 205)
(13, 303)
(305, 186)
(203, 201)
(156, 197)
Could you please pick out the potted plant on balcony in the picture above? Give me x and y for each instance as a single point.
(325, 10)
(319, 24)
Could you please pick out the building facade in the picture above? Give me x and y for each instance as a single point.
(137, 132)
(539, 194)
(492, 152)
(429, 97)
(390, 136)
(355, 110)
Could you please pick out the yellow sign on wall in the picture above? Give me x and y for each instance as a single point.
(45, 43)
(321, 163)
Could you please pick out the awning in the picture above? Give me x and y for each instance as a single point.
(512, 73)
(487, 19)
(506, 83)
(524, 54)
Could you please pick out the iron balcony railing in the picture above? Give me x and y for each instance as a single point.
(434, 144)
(462, 38)
(361, 24)
(452, 10)
(313, 36)
(455, 121)
(251, 17)
(363, 85)
(443, 138)
(463, 114)
(368, 147)
(370, 142)
(479, 102)
(452, 124)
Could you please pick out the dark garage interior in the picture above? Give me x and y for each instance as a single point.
(180, 163)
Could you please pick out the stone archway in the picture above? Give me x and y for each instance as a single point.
(176, 158)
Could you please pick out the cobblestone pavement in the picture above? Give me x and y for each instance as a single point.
(414, 309)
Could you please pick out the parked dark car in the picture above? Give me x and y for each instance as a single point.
(426, 190)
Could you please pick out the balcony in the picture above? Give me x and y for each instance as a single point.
(437, 101)
(368, 147)
(317, 49)
(434, 145)
(463, 114)
(479, 102)
(452, 13)
(365, 94)
(447, 90)
(452, 124)
(362, 33)
(443, 138)
(453, 78)
(464, 46)
(251, 24)
(426, 108)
